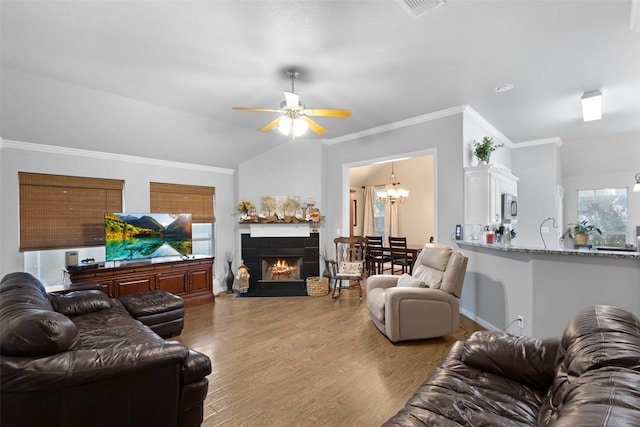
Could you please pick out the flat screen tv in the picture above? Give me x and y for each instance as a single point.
(146, 235)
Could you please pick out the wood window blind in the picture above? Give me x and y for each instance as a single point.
(176, 198)
(58, 211)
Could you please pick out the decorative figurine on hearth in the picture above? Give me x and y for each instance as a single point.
(243, 277)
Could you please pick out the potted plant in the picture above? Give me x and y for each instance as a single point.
(580, 232)
(483, 149)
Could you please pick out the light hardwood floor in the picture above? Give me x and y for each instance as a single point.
(305, 361)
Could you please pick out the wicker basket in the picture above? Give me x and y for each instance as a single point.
(317, 286)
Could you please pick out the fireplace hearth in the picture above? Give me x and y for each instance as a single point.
(279, 266)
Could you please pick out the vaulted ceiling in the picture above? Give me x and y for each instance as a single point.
(371, 57)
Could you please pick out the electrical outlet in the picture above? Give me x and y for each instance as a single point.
(521, 321)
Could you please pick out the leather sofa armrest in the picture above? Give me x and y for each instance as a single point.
(193, 389)
(530, 361)
(383, 281)
(195, 367)
(76, 367)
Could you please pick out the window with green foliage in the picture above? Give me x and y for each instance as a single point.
(605, 208)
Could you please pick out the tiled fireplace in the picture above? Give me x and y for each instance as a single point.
(279, 266)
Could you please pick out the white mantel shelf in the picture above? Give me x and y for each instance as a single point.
(278, 229)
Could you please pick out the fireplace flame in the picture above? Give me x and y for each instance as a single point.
(281, 269)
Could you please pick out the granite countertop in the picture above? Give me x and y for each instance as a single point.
(551, 251)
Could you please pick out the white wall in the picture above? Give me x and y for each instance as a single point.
(136, 172)
(442, 135)
(602, 163)
(537, 167)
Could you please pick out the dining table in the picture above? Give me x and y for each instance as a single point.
(412, 249)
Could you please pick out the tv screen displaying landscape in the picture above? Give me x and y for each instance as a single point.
(146, 235)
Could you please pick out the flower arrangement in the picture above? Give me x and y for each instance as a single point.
(244, 206)
(483, 149)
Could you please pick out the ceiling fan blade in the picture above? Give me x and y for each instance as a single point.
(292, 100)
(261, 110)
(327, 113)
(271, 125)
(314, 126)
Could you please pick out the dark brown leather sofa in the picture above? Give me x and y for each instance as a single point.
(80, 359)
(588, 377)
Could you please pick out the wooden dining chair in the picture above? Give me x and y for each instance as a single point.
(375, 255)
(399, 255)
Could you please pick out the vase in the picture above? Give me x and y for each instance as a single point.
(229, 278)
(581, 239)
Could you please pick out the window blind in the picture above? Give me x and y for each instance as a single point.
(58, 211)
(177, 198)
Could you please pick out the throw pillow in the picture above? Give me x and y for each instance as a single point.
(353, 267)
(80, 302)
(407, 281)
(35, 332)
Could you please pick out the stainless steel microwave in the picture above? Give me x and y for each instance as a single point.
(509, 206)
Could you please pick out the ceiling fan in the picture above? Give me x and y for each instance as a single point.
(295, 120)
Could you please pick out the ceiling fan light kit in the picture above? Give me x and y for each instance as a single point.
(295, 120)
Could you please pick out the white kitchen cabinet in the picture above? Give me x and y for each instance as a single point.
(483, 187)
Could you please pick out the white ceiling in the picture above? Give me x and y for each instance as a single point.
(371, 57)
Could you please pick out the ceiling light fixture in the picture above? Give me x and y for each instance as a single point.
(636, 188)
(392, 194)
(592, 106)
(292, 127)
(417, 8)
(504, 88)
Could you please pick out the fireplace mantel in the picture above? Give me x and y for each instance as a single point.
(280, 230)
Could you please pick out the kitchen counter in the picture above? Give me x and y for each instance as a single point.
(546, 286)
(585, 252)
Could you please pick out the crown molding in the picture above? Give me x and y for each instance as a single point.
(396, 125)
(100, 155)
(555, 140)
(475, 116)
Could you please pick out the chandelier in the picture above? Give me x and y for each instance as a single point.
(391, 193)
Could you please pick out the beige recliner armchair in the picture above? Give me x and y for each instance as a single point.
(410, 312)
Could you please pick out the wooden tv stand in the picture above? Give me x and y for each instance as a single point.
(190, 278)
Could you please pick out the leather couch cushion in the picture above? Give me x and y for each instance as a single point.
(37, 333)
(30, 327)
(526, 360)
(151, 302)
(80, 302)
(598, 370)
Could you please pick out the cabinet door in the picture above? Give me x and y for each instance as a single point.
(476, 199)
(200, 280)
(132, 284)
(107, 287)
(495, 199)
(175, 282)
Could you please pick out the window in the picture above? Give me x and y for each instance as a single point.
(194, 199)
(58, 211)
(606, 209)
(378, 214)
